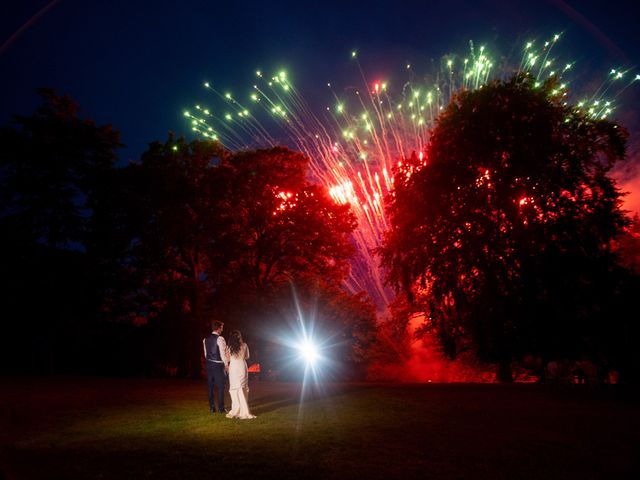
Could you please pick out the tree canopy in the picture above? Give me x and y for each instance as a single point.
(215, 232)
(52, 165)
(503, 232)
(135, 261)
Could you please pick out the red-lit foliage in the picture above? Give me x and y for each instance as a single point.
(503, 238)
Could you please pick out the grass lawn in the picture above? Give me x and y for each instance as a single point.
(112, 429)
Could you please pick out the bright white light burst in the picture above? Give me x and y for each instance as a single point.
(309, 352)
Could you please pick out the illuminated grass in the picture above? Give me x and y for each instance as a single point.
(162, 429)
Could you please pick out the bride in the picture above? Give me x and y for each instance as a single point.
(238, 352)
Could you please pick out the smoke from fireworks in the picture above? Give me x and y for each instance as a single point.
(355, 143)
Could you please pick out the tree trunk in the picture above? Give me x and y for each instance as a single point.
(195, 321)
(504, 373)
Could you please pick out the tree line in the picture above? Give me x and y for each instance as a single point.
(508, 236)
(120, 269)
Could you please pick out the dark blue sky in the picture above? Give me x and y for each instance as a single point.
(138, 64)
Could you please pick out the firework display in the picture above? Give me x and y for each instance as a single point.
(355, 143)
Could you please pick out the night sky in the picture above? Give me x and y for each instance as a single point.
(138, 65)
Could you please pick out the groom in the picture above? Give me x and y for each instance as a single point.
(215, 349)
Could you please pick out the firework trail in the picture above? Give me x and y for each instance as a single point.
(356, 143)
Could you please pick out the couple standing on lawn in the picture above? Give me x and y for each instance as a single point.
(231, 359)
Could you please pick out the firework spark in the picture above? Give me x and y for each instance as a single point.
(356, 143)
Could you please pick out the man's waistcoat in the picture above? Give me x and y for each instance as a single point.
(213, 352)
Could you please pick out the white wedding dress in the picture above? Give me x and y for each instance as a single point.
(239, 384)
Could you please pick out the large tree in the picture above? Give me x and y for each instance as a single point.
(52, 162)
(279, 226)
(222, 233)
(502, 234)
(51, 167)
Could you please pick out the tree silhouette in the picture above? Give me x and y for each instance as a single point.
(51, 167)
(52, 163)
(285, 234)
(279, 226)
(502, 233)
(213, 232)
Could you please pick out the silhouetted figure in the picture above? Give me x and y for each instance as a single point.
(215, 353)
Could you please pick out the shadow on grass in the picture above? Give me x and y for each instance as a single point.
(266, 403)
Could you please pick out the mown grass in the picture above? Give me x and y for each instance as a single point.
(108, 429)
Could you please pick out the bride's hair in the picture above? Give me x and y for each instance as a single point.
(235, 341)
